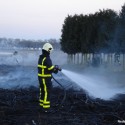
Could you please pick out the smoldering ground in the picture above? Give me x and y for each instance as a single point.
(19, 102)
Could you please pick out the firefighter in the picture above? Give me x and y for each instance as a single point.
(45, 70)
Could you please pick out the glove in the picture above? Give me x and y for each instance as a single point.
(56, 69)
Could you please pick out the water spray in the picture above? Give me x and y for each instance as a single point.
(96, 87)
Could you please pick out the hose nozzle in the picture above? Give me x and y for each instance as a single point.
(59, 69)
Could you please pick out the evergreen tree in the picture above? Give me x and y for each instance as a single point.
(122, 29)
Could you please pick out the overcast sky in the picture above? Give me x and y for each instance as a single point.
(43, 19)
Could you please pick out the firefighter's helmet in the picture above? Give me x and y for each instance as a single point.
(48, 47)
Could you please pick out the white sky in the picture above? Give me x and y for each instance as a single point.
(43, 19)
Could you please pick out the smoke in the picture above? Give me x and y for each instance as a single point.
(20, 70)
(13, 77)
(95, 86)
(29, 57)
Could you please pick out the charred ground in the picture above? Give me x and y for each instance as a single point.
(19, 102)
(20, 107)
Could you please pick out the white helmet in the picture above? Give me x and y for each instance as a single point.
(48, 47)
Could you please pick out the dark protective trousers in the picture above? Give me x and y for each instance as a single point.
(45, 88)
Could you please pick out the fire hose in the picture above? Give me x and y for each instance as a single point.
(64, 97)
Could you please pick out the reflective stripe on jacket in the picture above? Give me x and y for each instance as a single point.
(45, 67)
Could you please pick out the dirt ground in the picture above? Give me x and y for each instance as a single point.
(70, 107)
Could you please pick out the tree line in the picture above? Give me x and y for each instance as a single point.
(101, 32)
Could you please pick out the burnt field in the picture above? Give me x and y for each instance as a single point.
(20, 107)
(19, 95)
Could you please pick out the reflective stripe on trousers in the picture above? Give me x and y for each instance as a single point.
(44, 102)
